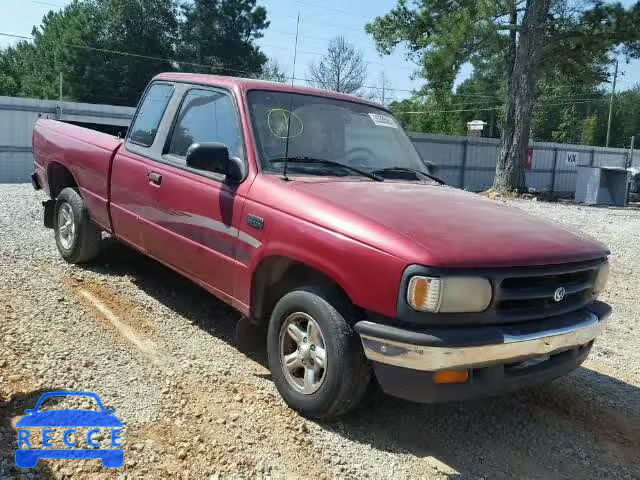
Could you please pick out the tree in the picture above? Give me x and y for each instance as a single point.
(9, 67)
(108, 50)
(342, 69)
(273, 72)
(530, 38)
(140, 27)
(101, 48)
(221, 33)
(34, 67)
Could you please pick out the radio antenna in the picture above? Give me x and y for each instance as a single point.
(293, 76)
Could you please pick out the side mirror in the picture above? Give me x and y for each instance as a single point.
(109, 411)
(214, 157)
(29, 411)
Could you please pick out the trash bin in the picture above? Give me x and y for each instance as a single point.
(602, 186)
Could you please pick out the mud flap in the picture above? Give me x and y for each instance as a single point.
(48, 213)
(250, 338)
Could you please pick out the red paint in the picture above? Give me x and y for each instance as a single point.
(361, 233)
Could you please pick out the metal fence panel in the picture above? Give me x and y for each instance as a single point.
(465, 162)
(15, 166)
(439, 151)
(19, 115)
(469, 162)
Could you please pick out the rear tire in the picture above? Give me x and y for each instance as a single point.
(340, 384)
(77, 237)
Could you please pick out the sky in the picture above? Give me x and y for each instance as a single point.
(320, 20)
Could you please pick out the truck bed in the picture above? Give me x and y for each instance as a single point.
(60, 148)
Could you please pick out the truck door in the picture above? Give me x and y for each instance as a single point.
(193, 225)
(130, 196)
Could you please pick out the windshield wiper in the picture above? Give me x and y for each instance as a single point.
(324, 161)
(412, 170)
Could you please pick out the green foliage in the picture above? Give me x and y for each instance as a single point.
(626, 118)
(221, 33)
(86, 42)
(590, 130)
(442, 36)
(145, 28)
(426, 116)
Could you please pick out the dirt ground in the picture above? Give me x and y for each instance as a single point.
(161, 352)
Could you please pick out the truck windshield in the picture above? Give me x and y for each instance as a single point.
(353, 134)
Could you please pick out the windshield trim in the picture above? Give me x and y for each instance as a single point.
(254, 137)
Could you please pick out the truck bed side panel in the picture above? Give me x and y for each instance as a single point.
(87, 154)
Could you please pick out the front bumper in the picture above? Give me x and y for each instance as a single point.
(498, 358)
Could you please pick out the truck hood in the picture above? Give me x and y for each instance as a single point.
(450, 227)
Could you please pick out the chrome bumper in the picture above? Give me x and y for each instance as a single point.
(514, 345)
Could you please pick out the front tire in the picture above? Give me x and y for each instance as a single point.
(77, 237)
(315, 356)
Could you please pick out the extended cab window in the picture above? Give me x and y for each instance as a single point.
(206, 116)
(145, 126)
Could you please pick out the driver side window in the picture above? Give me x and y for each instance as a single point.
(206, 116)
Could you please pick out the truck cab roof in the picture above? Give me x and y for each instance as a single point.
(246, 84)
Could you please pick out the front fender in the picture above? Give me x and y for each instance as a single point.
(370, 277)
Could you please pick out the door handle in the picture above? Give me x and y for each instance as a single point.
(155, 178)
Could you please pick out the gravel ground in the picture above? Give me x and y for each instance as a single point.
(161, 352)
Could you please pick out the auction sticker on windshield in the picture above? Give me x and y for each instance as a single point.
(383, 120)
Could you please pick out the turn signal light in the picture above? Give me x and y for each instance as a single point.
(451, 376)
(424, 293)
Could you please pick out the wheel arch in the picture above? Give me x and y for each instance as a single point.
(276, 275)
(59, 177)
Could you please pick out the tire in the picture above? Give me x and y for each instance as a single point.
(77, 237)
(346, 374)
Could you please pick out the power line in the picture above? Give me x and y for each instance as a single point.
(49, 4)
(311, 52)
(331, 9)
(128, 54)
(170, 60)
(374, 87)
(484, 109)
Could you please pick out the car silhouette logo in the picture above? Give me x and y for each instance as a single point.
(559, 294)
(70, 418)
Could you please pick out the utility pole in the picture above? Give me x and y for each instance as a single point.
(613, 92)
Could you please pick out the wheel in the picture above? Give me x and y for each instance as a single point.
(77, 237)
(315, 356)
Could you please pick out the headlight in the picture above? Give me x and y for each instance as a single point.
(449, 294)
(601, 278)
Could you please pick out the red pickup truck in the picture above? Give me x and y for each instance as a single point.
(311, 213)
